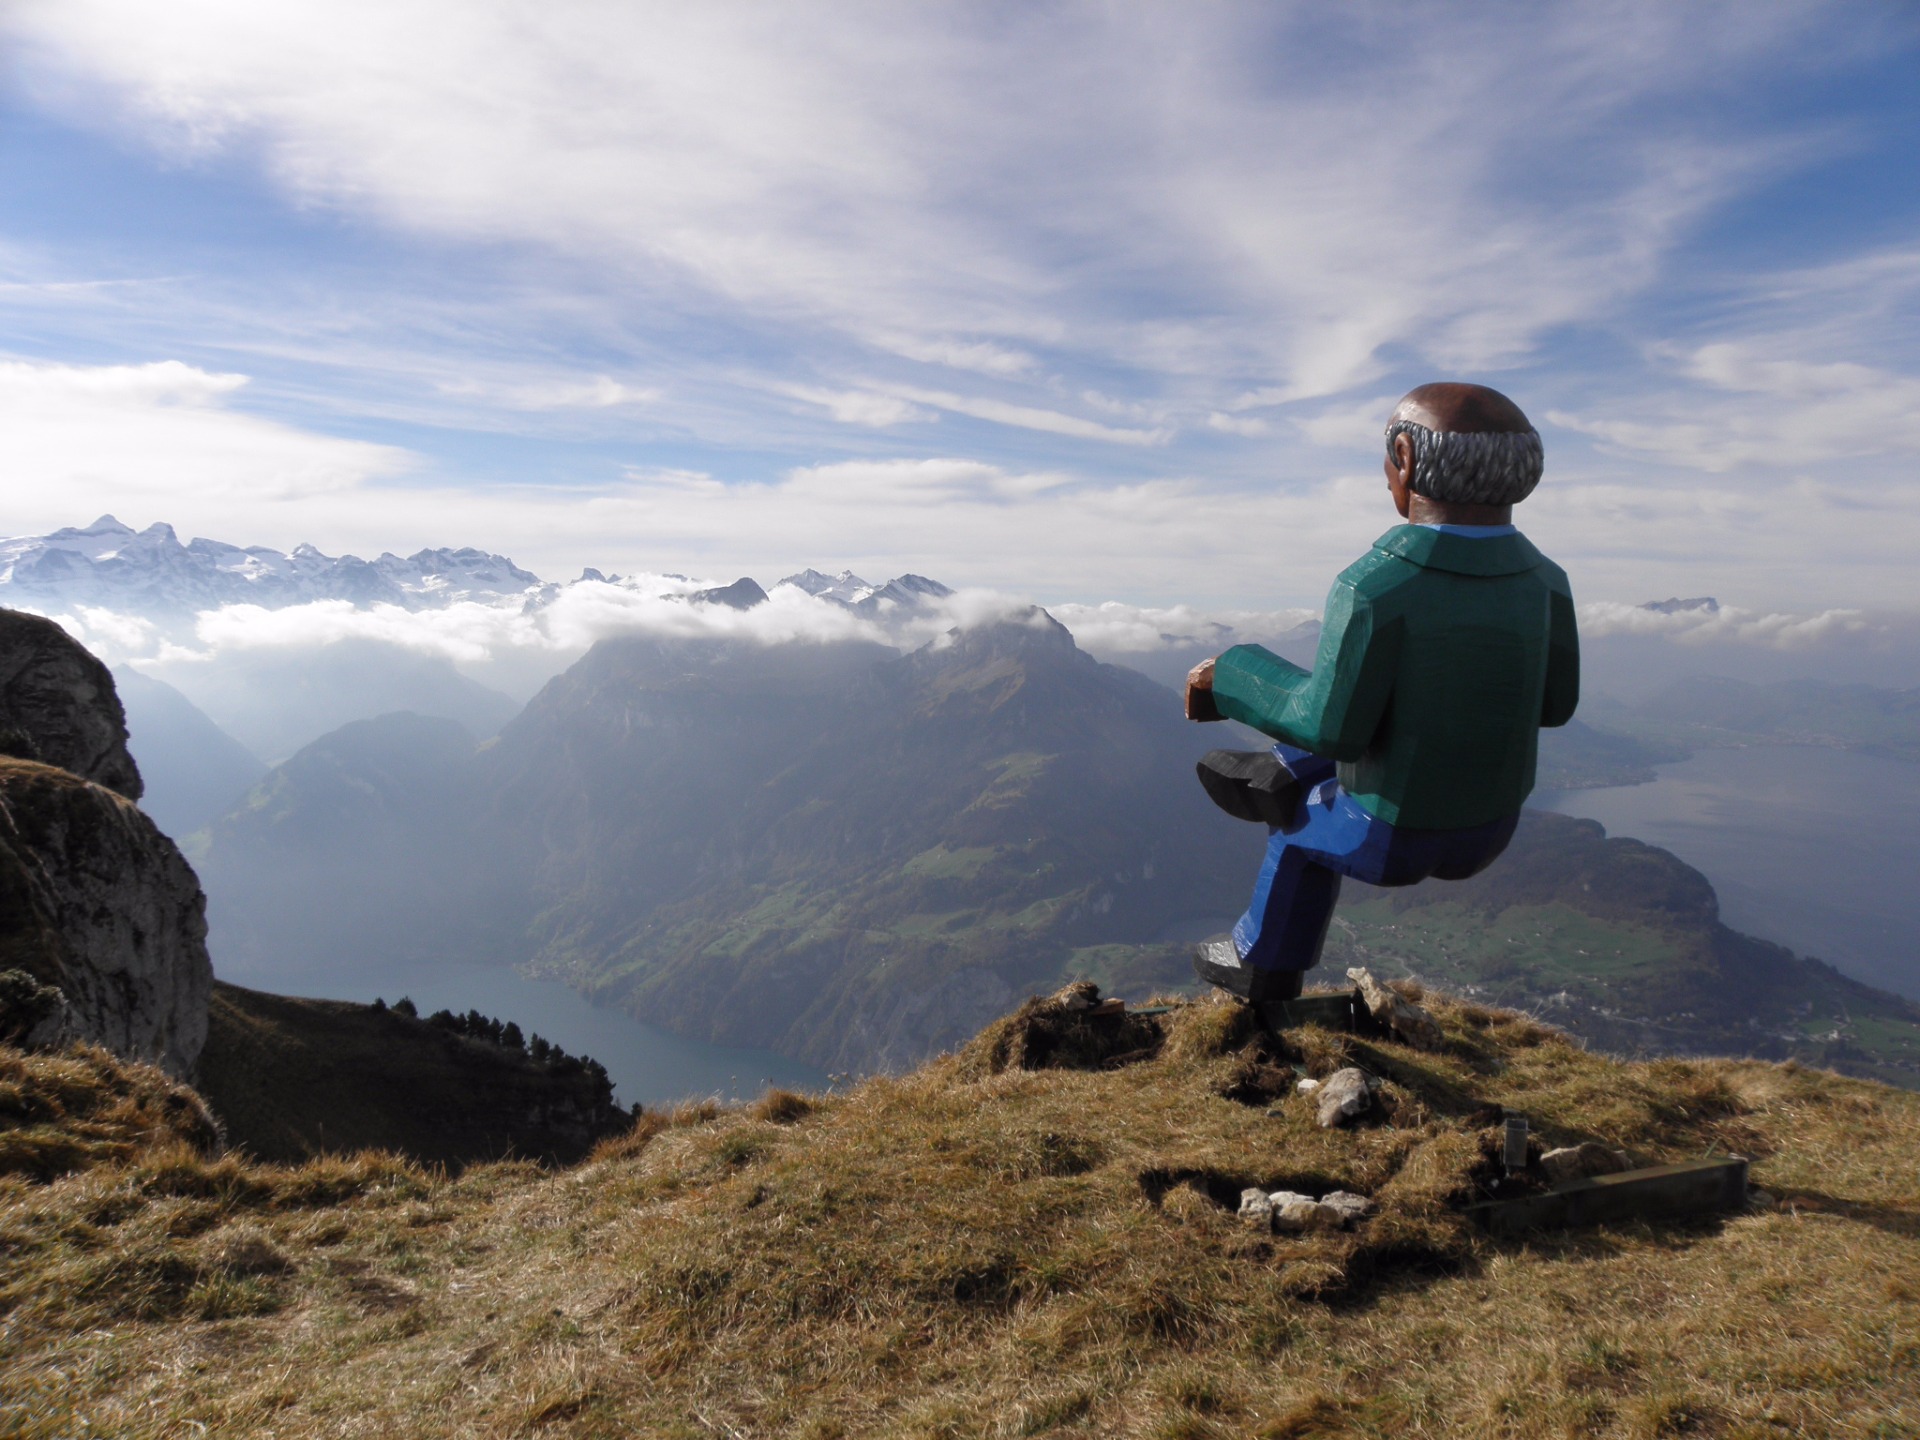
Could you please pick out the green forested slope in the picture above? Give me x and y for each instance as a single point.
(857, 859)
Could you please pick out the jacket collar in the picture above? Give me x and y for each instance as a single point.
(1460, 554)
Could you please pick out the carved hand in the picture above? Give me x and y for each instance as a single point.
(1200, 704)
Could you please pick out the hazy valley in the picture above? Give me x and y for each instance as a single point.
(853, 847)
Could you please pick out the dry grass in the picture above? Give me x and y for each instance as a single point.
(61, 1113)
(984, 1249)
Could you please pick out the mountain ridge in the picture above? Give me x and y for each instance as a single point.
(856, 858)
(149, 572)
(109, 561)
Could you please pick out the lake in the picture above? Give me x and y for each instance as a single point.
(646, 1063)
(1814, 848)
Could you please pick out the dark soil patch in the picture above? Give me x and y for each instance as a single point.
(1068, 1031)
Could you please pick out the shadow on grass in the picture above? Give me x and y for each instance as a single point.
(1889, 1218)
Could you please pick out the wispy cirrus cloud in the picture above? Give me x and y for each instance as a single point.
(596, 392)
(1751, 405)
(1154, 188)
(1175, 260)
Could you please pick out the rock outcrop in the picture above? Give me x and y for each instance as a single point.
(96, 901)
(1406, 1020)
(58, 705)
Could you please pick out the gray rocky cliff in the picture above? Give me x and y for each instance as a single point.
(95, 900)
(58, 705)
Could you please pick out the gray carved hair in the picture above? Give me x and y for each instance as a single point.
(1469, 467)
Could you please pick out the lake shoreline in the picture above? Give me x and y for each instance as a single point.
(1808, 846)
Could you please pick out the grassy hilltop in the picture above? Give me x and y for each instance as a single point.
(1031, 1236)
(291, 1078)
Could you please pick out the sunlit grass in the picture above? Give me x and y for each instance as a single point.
(982, 1249)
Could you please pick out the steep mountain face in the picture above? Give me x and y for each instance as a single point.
(365, 846)
(99, 903)
(194, 771)
(853, 857)
(273, 701)
(58, 705)
(94, 900)
(848, 858)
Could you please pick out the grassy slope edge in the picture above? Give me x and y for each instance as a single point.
(978, 1248)
(290, 1078)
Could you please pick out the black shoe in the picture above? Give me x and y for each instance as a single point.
(1218, 963)
(1250, 785)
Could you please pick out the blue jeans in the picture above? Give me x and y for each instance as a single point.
(1330, 837)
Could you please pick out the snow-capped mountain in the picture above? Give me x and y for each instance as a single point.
(841, 588)
(115, 567)
(848, 589)
(111, 566)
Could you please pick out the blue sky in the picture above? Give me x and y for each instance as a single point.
(1086, 302)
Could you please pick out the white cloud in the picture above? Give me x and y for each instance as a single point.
(1114, 628)
(593, 392)
(984, 357)
(485, 638)
(1748, 407)
(141, 435)
(1245, 425)
(1348, 424)
(1727, 624)
(1191, 191)
(1212, 211)
(861, 407)
(110, 633)
(1027, 417)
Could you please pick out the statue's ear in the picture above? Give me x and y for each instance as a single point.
(1399, 467)
(1403, 457)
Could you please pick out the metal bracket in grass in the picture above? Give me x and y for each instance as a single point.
(1693, 1187)
(1342, 1010)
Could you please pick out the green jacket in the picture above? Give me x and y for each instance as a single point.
(1440, 658)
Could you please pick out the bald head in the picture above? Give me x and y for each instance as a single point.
(1461, 409)
(1462, 445)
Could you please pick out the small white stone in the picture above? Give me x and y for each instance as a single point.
(1300, 1216)
(1256, 1208)
(1344, 1095)
(1307, 1086)
(1350, 1206)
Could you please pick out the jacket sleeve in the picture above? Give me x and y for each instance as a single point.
(1562, 695)
(1332, 710)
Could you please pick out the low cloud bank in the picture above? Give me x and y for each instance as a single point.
(1119, 630)
(480, 637)
(1725, 624)
(475, 634)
